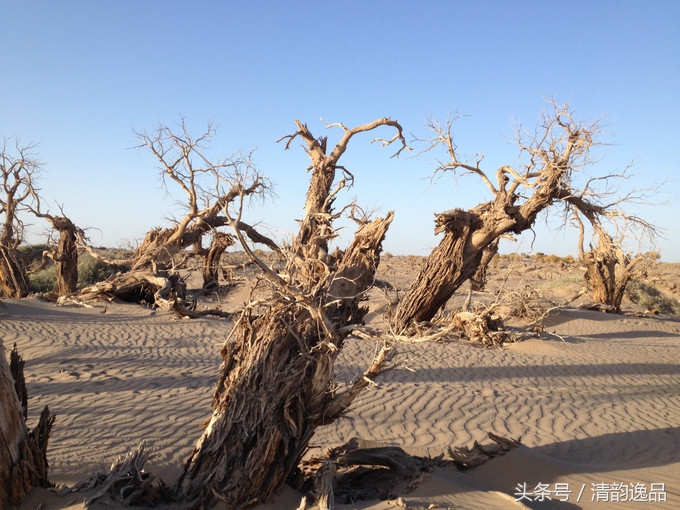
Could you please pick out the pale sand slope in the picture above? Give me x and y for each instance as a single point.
(601, 407)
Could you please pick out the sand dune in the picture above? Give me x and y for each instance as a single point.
(596, 401)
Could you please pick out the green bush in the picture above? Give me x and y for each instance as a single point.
(91, 270)
(31, 254)
(43, 281)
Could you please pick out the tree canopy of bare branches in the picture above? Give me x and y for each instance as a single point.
(550, 157)
(209, 187)
(19, 170)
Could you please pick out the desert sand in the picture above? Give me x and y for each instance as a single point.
(595, 399)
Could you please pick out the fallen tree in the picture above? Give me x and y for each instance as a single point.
(154, 276)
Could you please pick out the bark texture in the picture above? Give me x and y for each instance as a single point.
(13, 282)
(211, 266)
(608, 271)
(559, 146)
(276, 383)
(478, 281)
(23, 456)
(65, 255)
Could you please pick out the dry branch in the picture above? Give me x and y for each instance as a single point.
(126, 481)
(551, 156)
(373, 472)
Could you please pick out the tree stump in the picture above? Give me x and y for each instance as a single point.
(23, 457)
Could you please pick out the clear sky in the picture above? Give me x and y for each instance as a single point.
(76, 77)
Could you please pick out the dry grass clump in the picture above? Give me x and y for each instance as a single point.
(651, 298)
(526, 304)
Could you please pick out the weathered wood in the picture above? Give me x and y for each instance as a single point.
(13, 281)
(126, 481)
(276, 384)
(557, 149)
(608, 271)
(453, 261)
(478, 280)
(12, 429)
(23, 456)
(211, 266)
(608, 267)
(65, 255)
(16, 368)
(466, 458)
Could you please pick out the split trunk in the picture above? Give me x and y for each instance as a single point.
(13, 282)
(276, 382)
(23, 456)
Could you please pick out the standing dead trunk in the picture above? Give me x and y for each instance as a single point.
(66, 255)
(13, 282)
(608, 271)
(478, 281)
(12, 429)
(17, 191)
(211, 267)
(23, 460)
(276, 383)
(608, 267)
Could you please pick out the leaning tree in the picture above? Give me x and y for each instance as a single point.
(19, 169)
(550, 157)
(276, 381)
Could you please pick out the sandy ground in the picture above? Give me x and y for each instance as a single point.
(595, 400)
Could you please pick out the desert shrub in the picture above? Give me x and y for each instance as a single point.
(91, 270)
(43, 281)
(651, 298)
(527, 304)
(31, 254)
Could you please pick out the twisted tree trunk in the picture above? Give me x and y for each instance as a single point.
(66, 255)
(276, 383)
(276, 380)
(608, 271)
(211, 265)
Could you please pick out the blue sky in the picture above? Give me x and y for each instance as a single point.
(77, 77)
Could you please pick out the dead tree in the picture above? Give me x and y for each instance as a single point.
(23, 460)
(212, 256)
(558, 148)
(608, 267)
(209, 187)
(276, 380)
(18, 172)
(64, 253)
